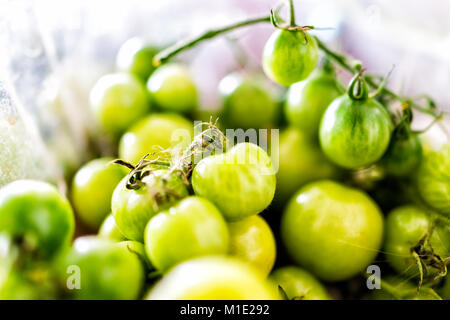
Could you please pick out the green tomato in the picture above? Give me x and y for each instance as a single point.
(355, 133)
(133, 208)
(105, 270)
(306, 101)
(213, 278)
(34, 212)
(192, 228)
(138, 249)
(251, 240)
(433, 179)
(300, 161)
(289, 56)
(403, 155)
(247, 102)
(92, 189)
(18, 287)
(109, 229)
(332, 230)
(299, 284)
(154, 133)
(117, 101)
(406, 227)
(240, 182)
(137, 58)
(172, 88)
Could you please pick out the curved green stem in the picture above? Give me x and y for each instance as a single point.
(173, 50)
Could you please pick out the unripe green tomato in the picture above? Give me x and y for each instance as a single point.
(37, 214)
(172, 88)
(433, 179)
(15, 286)
(289, 56)
(406, 226)
(252, 241)
(137, 58)
(247, 102)
(92, 188)
(105, 270)
(117, 101)
(403, 155)
(109, 229)
(332, 230)
(138, 249)
(240, 182)
(300, 161)
(191, 228)
(355, 133)
(213, 278)
(154, 133)
(307, 100)
(133, 208)
(299, 284)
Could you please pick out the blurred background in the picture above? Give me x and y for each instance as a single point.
(53, 51)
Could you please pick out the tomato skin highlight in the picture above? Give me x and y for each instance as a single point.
(107, 270)
(117, 101)
(405, 228)
(307, 100)
(247, 102)
(300, 161)
(252, 240)
(191, 228)
(213, 278)
(332, 230)
(355, 133)
(240, 182)
(36, 212)
(299, 284)
(92, 189)
(172, 88)
(132, 209)
(154, 133)
(289, 56)
(137, 58)
(433, 179)
(109, 229)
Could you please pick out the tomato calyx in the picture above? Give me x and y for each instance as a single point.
(291, 27)
(425, 258)
(358, 90)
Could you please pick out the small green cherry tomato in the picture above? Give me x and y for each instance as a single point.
(192, 228)
(300, 161)
(102, 269)
(355, 131)
(307, 100)
(406, 229)
(117, 101)
(213, 278)
(299, 284)
(433, 179)
(138, 249)
(154, 133)
(332, 230)
(137, 58)
(247, 102)
(403, 155)
(133, 208)
(92, 188)
(240, 182)
(37, 214)
(109, 229)
(289, 56)
(172, 88)
(252, 240)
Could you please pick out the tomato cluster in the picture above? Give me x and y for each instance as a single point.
(184, 216)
